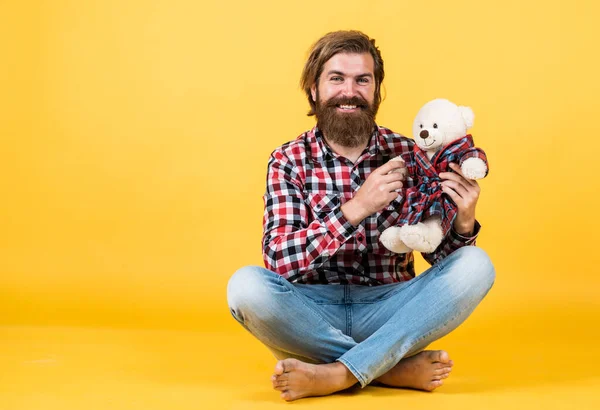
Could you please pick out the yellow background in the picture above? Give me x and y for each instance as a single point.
(135, 137)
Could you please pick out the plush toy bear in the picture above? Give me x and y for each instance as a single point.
(427, 214)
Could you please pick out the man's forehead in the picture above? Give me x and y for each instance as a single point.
(350, 63)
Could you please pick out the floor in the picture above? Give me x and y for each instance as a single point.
(534, 358)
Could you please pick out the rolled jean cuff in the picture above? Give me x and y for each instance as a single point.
(361, 379)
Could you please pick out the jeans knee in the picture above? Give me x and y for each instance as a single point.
(253, 291)
(244, 283)
(473, 267)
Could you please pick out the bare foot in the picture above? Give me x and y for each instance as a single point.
(296, 379)
(423, 371)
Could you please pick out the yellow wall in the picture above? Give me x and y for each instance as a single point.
(135, 137)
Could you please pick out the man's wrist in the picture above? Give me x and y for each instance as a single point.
(464, 228)
(353, 212)
(465, 239)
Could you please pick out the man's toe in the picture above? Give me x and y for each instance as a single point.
(440, 356)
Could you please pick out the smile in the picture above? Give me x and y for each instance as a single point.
(429, 145)
(347, 107)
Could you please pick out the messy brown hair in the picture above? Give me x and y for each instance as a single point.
(330, 44)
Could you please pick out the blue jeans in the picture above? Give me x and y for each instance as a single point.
(368, 329)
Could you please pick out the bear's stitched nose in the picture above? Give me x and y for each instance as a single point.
(424, 134)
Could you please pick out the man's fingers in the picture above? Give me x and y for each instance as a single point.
(458, 187)
(390, 198)
(452, 194)
(391, 165)
(451, 176)
(393, 176)
(390, 187)
(394, 186)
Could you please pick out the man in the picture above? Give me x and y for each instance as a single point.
(333, 305)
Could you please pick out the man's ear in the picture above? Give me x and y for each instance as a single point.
(313, 92)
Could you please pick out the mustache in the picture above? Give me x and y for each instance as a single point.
(358, 101)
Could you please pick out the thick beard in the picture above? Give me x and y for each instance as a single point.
(352, 129)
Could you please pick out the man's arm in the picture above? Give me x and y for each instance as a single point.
(291, 245)
(465, 193)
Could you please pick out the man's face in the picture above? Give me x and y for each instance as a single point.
(344, 98)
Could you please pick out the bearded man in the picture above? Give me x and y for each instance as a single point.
(333, 305)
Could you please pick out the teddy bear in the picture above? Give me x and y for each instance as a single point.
(427, 213)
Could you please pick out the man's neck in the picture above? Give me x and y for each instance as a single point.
(351, 153)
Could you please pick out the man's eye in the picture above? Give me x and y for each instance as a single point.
(336, 78)
(363, 80)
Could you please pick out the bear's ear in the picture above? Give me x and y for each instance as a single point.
(468, 115)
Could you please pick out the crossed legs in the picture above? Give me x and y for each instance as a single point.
(308, 329)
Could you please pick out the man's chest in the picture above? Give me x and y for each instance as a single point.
(326, 188)
(337, 177)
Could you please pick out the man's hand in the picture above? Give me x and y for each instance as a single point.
(380, 188)
(465, 193)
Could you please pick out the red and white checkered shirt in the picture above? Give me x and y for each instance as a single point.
(307, 239)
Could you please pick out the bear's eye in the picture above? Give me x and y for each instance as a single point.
(421, 125)
(434, 125)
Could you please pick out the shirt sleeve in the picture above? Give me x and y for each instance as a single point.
(291, 245)
(452, 242)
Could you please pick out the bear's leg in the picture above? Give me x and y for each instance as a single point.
(390, 238)
(425, 236)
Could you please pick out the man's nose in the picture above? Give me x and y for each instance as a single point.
(349, 89)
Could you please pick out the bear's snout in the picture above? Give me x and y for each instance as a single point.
(424, 134)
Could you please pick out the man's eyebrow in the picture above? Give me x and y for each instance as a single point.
(330, 72)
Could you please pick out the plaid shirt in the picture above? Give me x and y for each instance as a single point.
(426, 198)
(307, 239)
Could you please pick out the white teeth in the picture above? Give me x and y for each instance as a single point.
(347, 107)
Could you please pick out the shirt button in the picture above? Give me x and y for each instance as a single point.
(359, 237)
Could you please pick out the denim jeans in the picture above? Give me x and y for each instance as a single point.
(367, 328)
